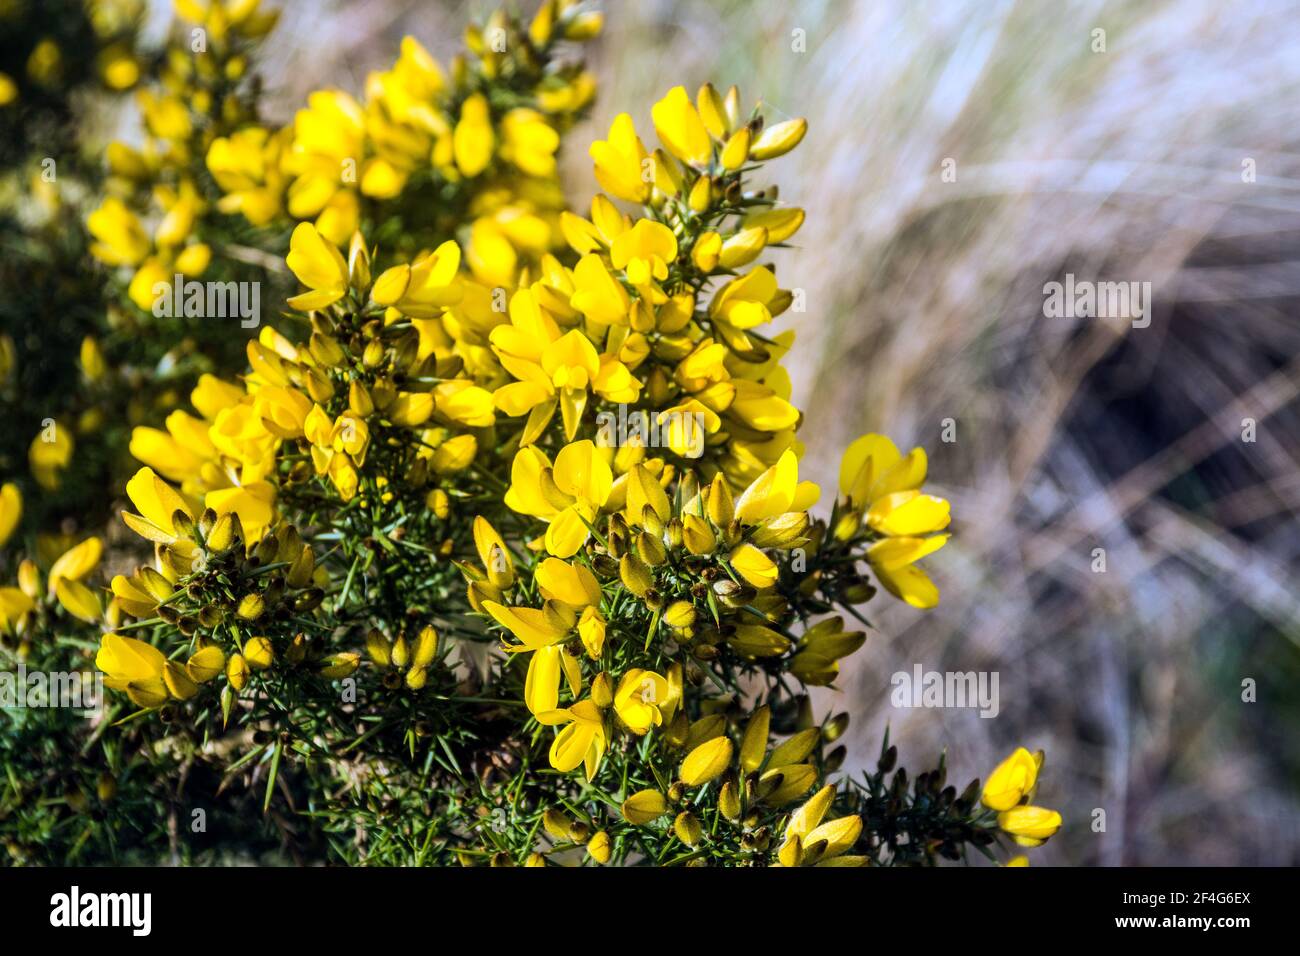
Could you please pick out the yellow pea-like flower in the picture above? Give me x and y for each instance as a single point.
(680, 128)
(620, 161)
(133, 667)
(78, 600)
(75, 563)
(319, 266)
(1011, 781)
(754, 566)
(908, 513)
(473, 140)
(1028, 825)
(157, 503)
(640, 698)
(340, 665)
(11, 510)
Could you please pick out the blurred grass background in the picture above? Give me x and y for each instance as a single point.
(925, 303)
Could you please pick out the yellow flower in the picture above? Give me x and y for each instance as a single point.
(259, 653)
(534, 628)
(872, 468)
(620, 162)
(680, 128)
(568, 496)
(120, 237)
(11, 510)
(810, 842)
(134, 667)
(1012, 780)
(778, 140)
(529, 142)
(893, 560)
(13, 605)
(542, 683)
(597, 294)
(328, 142)
(92, 359)
(754, 566)
(1030, 826)
(781, 222)
(205, 664)
(424, 288)
(644, 806)
(247, 167)
(598, 847)
(583, 739)
(571, 583)
(638, 701)
(706, 761)
(552, 369)
(49, 454)
(492, 551)
(644, 251)
(775, 493)
(747, 301)
(319, 266)
(473, 140)
(340, 665)
(75, 563)
(908, 513)
(140, 594)
(157, 503)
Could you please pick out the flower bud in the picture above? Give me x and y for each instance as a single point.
(778, 140)
(556, 824)
(426, 647)
(237, 671)
(259, 653)
(721, 507)
(651, 549)
(602, 692)
(359, 401)
(337, 666)
(729, 800)
(378, 647)
(635, 574)
(680, 615)
(598, 847)
(687, 827)
(251, 607)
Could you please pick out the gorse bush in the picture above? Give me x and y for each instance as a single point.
(492, 548)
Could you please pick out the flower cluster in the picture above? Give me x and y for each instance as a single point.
(152, 221)
(496, 549)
